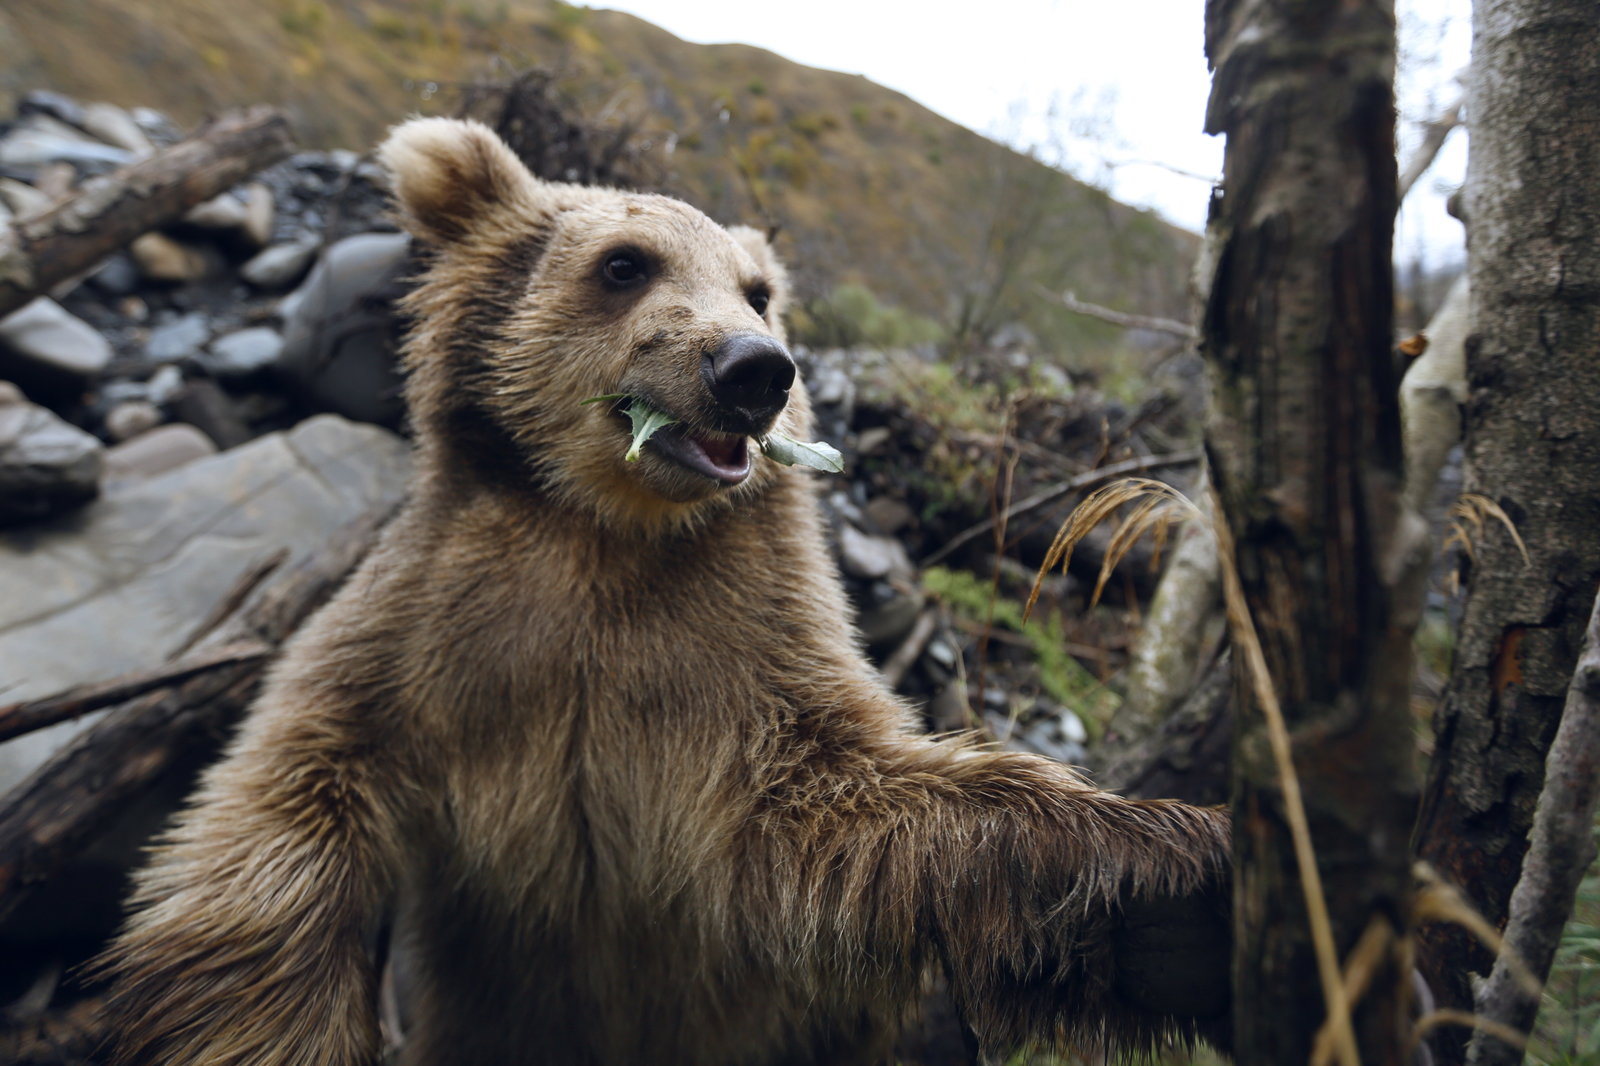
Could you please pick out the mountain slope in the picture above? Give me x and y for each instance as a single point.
(863, 184)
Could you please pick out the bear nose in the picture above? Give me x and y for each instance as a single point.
(749, 376)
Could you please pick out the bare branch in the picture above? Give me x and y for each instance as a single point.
(1560, 849)
(1063, 488)
(1119, 318)
(1433, 137)
(19, 718)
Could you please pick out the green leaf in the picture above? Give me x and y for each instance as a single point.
(646, 420)
(603, 399)
(818, 455)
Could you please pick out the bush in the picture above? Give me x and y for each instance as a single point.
(852, 317)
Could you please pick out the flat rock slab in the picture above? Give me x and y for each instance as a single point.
(119, 585)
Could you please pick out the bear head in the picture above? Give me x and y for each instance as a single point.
(540, 295)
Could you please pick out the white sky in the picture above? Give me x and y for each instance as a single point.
(1127, 81)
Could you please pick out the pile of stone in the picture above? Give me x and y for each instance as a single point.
(185, 344)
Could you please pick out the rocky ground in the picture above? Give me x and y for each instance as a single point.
(224, 389)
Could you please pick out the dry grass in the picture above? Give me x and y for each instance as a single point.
(1156, 506)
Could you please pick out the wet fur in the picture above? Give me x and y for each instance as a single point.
(607, 730)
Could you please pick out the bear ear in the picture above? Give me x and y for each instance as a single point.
(755, 242)
(449, 175)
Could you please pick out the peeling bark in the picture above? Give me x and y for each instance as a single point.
(1305, 451)
(1532, 446)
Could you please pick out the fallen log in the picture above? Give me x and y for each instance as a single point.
(51, 816)
(38, 251)
(19, 718)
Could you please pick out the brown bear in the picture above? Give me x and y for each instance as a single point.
(601, 733)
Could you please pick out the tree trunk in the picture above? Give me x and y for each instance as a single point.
(1533, 447)
(1306, 458)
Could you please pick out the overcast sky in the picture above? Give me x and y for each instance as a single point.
(1126, 80)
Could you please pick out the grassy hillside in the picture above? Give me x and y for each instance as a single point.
(865, 185)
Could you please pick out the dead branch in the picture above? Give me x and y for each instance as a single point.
(1118, 318)
(896, 665)
(19, 718)
(48, 818)
(1063, 488)
(1560, 849)
(111, 210)
(1433, 137)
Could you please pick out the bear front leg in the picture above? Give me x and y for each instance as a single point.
(246, 943)
(1060, 913)
(1065, 913)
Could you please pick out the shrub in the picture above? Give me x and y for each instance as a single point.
(852, 317)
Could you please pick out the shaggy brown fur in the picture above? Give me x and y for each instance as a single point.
(606, 729)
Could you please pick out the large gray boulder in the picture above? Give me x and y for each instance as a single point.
(121, 584)
(339, 329)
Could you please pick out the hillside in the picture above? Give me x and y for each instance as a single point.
(864, 184)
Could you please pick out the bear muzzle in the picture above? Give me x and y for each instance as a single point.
(749, 378)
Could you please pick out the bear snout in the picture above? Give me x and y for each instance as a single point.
(749, 377)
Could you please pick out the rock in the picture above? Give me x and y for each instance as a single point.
(115, 126)
(281, 265)
(157, 451)
(42, 343)
(28, 147)
(158, 127)
(55, 180)
(870, 440)
(22, 199)
(133, 308)
(58, 106)
(1059, 736)
(5, 214)
(161, 258)
(259, 212)
(340, 333)
(889, 515)
(131, 418)
(870, 557)
(178, 339)
(164, 385)
(204, 405)
(117, 276)
(46, 465)
(123, 584)
(244, 352)
(888, 623)
(224, 212)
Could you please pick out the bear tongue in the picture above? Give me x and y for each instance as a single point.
(727, 459)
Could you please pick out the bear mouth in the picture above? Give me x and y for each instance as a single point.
(722, 457)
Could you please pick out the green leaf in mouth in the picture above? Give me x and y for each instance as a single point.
(646, 420)
(818, 455)
(786, 451)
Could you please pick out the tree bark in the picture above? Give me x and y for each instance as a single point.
(1305, 453)
(1532, 446)
(109, 211)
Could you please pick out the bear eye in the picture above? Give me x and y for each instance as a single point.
(759, 300)
(624, 268)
